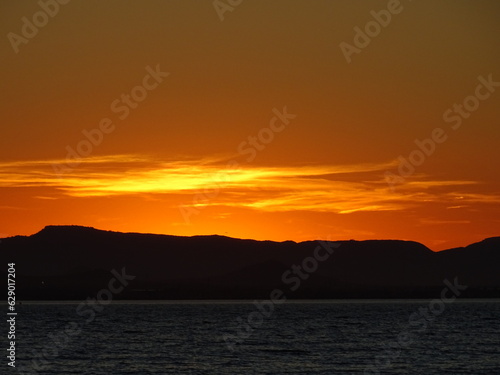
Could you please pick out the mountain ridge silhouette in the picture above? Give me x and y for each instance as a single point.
(72, 262)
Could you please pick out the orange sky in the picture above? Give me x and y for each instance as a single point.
(170, 95)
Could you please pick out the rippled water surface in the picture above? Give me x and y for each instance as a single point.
(333, 337)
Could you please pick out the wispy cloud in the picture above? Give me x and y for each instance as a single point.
(342, 189)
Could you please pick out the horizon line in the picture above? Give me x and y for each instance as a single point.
(238, 238)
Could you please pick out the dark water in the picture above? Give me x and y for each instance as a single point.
(296, 338)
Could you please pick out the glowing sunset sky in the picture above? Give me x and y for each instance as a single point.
(254, 126)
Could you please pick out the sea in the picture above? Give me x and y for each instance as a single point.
(256, 337)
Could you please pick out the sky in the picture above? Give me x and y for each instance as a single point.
(277, 120)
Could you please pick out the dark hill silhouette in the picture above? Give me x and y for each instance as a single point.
(73, 262)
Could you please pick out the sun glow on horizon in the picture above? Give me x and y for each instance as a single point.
(209, 187)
